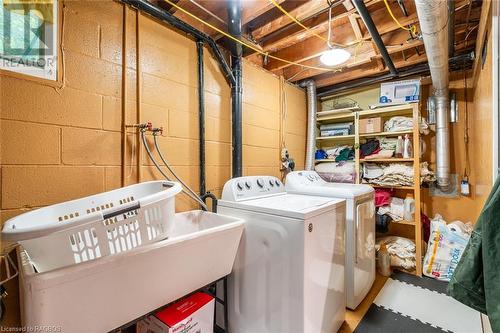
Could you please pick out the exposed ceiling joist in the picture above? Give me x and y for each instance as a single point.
(255, 8)
(300, 13)
(361, 59)
(314, 47)
(368, 70)
(270, 30)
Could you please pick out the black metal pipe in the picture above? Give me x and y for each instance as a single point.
(214, 200)
(456, 63)
(164, 16)
(234, 27)
(201, 114)
(372, 29)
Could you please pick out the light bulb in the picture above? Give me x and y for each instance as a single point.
(334, 57)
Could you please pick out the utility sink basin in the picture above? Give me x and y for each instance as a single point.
(103, 294)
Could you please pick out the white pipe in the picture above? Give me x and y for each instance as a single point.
(312, 108)
(433, 16)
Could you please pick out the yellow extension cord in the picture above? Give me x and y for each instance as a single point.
(277, 5)
(412, 29)
(248, 45)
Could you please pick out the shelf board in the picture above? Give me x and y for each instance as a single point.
(404, 222)
(336, 138)
(386, 160)
(332, 117)
(392, 187)
(397, 109)
(372, 135)
(325, 160)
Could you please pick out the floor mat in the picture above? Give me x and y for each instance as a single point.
(410, 304)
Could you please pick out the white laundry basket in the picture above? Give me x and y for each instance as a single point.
(96, 226)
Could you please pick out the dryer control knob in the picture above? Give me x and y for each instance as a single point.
(248, 185)
(239, 186)
(277, 183)
(271, 182)
(260, 182)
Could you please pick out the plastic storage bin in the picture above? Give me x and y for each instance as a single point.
(100, 295)
(96, 226)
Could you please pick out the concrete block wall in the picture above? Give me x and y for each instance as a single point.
(65, 143)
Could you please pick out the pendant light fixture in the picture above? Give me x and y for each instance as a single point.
(334, 56)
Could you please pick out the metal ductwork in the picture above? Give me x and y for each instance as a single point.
(312, 109)
(433, 17)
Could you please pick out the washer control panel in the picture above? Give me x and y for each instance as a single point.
(304, 178)
(250, 187)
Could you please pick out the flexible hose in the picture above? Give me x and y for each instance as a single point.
(173, 172)
(148, 151)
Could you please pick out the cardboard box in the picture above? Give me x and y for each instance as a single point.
(194, 314)
(406, 91)
(370, 125)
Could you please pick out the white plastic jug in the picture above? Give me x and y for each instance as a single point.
(409, 208)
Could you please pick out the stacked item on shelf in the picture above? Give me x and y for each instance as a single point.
(398, 124)
(388, 209)
(336, 129)
(395, 174)
(337, 172)
(401, 250)
(386, 148)
(402, 123)
(340, 153)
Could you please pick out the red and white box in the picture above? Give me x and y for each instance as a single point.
(194, 314)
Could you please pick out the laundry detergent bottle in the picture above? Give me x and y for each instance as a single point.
(409, 208)
(399, 147)
(384, 260)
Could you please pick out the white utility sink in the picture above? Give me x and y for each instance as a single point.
(103, 294)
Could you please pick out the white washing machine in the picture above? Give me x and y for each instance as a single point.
(289, 270)
(360, 228)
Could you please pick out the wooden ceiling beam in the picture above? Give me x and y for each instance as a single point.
(210, 13)
(317, 25)
(355, 27)
(313, 47)
(255, 8)
(300, 13)
(297, 73)
(367, 70)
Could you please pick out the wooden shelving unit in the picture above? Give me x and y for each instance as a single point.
(404, 228)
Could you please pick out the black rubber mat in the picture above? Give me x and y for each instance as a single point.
(380, 320)
(424, 281)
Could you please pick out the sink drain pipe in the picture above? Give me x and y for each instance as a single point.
(201, 112)
(234, 27)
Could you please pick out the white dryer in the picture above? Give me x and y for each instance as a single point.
(360, 228)
(289, 270)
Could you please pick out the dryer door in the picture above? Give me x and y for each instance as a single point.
(364, 267)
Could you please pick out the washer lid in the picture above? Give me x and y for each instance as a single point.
(309, 182)
(288, 205)
(335, 190)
